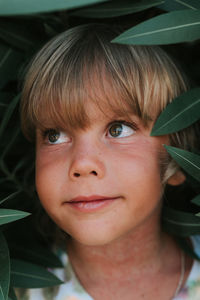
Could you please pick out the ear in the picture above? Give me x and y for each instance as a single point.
(176, 179)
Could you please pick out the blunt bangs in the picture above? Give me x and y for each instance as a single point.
(82, 65)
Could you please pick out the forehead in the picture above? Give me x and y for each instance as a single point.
(83, 114)
(104, 110)
(63, 100)
(76, 105)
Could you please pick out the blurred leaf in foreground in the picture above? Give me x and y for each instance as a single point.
(180, 223)
(174, 27)
(116, 8)
(196, 200)
(189, 161)
(171, 5)
(10, 215)
(181, 113)
(27, 275)
(21, 7)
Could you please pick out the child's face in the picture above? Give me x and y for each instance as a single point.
(111, 160)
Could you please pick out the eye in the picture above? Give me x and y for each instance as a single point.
(120, 130)
(54, 136)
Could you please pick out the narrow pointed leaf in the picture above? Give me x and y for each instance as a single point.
(20, 7)
(34, 253)
(185, 245)
(189, 161)
(181, 113)
(180, 223)
(116, 8)
(11, 196)
(174, 27)
(171, 5)
(4, 268)
(10, 215)
(27, 275)
(196, 200)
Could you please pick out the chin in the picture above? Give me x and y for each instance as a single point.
(94, 240)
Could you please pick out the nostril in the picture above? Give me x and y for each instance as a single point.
(76, 174)
(94, 173)
(79, 174)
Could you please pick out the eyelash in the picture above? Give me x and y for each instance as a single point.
(45, 132)
(130, 124)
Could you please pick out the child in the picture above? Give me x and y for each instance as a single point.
(90, 106)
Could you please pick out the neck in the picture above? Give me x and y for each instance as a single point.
(142, 250)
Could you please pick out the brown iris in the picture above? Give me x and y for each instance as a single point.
(115, 130)
(53, 135)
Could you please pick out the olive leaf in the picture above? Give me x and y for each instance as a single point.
(190, 162)
(10, 215)
(196, 200)
(174, 27)
(20, 7)
(179, 114)
(171, 5)
(28, 275)
(180, 223)
(116, 8)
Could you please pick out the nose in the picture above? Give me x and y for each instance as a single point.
(86, 162)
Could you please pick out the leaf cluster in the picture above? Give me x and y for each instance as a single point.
(24, 27)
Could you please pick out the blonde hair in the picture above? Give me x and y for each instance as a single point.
(80, 62)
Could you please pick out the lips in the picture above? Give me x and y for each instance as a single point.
(90, 203)
(91, 198)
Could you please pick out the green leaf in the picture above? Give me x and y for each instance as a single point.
(185, 245)
(180, 223)
(10, 215)
(8, 114)
(4, 269)
(196, 200)
(174, 27)
(181, 113)
(34, 253)
(27, 275)
(11, 196)
(116, 8)
(189, 161)
(20, 7)
(171, 5)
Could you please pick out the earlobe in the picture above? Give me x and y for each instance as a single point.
(176, 179)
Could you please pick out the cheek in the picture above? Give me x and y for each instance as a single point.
(49, 175)
(137, 168)
(48, 189)
(139, 158)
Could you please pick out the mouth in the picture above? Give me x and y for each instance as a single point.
(90, 203)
